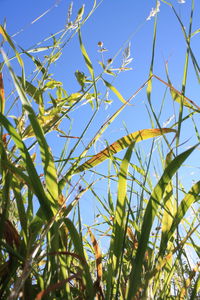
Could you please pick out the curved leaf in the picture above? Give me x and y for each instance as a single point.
(121, 144)
(150, 213)
(33, 176)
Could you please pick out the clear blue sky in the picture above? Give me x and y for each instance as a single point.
(112, 23)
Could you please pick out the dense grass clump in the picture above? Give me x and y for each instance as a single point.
(147, 221)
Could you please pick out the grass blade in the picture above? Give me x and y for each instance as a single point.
(33, 176)
(121, 144)
(8, 39)
(47, 159)
(191, 197)
(115, 91)
(79, 250)
(2, 96)
(117, 241)
(148, 219)
(86, 57)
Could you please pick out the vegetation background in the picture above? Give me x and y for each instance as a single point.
(79, 83)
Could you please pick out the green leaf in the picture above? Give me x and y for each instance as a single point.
(169, 208)
(117, 241)
(47, 159)
(87, 279)
(40, 49)
(32, 91)
(106, 70)
(115, 91)
(46, 122)
(33, 176)
(8, 39)
(52, 84)
(178, 97)
(86, 57)
(81, 78)
(195, 32)
(20, 207)
(52, 58)
(150, 213)
(191, 197)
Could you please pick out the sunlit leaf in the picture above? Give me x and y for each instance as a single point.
(81, 78)
(47, 158)
(86, 57)
(2, 94)
(170, 207)
(195, 32)
(106, 70)
(8, 39)
(39, 49)
(52, 58)
(116, 248)
(121, 144)
(191, 197)
(115, 91)
(178, 97)
(98, 255)
(32, 91)
(52, 84)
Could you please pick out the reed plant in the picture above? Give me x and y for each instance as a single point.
(148, 227)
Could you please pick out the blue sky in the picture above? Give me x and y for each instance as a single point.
(112, 23)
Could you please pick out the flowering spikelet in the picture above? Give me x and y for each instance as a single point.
(154, 11)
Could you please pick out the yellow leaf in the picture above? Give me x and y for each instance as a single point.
(121, 144)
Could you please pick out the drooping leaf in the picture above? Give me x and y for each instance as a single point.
(46, 122)
(121, 144)
(33, 176)
(178, 97)
(32, 91)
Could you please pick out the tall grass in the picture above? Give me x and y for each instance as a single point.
(45, 253)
